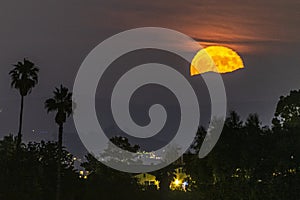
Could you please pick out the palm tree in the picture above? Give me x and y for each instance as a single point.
(24, 77)
(61, 103)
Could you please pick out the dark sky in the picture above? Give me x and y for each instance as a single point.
(57, 36)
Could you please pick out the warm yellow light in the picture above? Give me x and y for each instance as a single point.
(216, 59)
(177, 182)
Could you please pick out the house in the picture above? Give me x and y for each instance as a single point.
(181, 179)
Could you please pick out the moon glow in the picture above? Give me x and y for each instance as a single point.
(217, 59)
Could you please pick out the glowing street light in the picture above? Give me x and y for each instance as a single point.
(177, 182)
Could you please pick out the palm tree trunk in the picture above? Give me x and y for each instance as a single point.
(58, 183)
(19, 138)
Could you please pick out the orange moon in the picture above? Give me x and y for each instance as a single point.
(217, 59)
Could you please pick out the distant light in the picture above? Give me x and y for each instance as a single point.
(176, 182)
(185, 184)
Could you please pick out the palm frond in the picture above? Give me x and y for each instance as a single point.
(60, 102)
(24, 76)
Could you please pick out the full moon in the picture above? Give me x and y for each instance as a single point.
(217, 59)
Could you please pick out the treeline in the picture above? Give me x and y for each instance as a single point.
(248, 162)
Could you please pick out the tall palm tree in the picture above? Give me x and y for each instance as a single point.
(24, 77)
(61, 103)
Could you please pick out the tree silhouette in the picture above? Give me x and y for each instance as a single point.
(197, 143)
(253, 124)
(233, 121)
(123, 143)
(24, 77)
(287, 113)
(33, 175)
(107, 183)
(61, 103)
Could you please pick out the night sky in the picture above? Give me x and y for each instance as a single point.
(57, 36)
